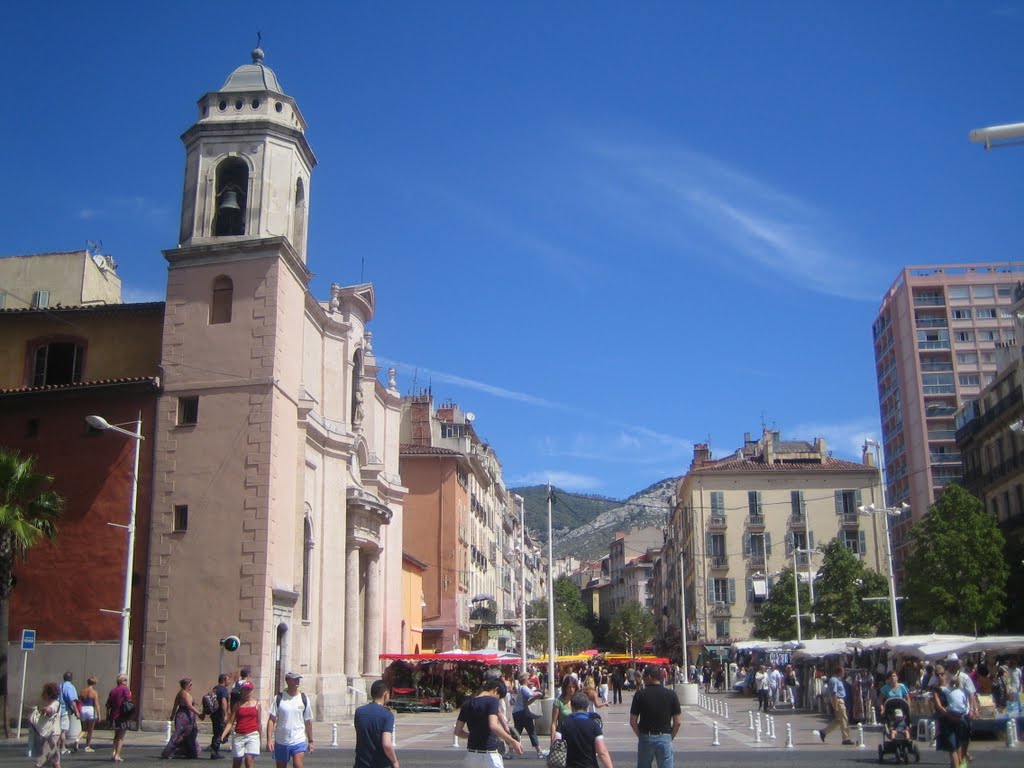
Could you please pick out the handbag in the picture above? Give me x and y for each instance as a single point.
(557, 754)
(535, 709)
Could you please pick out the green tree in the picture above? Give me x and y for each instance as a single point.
(570, 635)
(842, 583)
(778, 612)
(567, 597)
(956, 571)
(29, 509)
(631, 628)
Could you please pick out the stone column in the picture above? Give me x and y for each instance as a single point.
(352, 621)
(373, 610)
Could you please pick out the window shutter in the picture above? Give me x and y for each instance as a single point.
(767, 544)
(711, 591)
(707, 544)
(839, 502)
(750, 589)
(732, 591)
(810, 539)
(746, 543)
(863, 542)
(789, 544)
(857, 503)
(757, 497)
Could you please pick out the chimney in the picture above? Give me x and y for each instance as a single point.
(701, 455)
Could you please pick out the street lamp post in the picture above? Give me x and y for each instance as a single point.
(551, 606)
(522, 583)
(682, 601)
(98, 422)
(885, 512)
(796, 597)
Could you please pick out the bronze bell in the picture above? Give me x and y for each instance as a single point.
(229, 200)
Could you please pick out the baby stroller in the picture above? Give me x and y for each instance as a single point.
(897, 734)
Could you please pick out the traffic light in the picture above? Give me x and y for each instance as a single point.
(230, 643)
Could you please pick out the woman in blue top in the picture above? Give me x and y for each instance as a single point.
(893, 689)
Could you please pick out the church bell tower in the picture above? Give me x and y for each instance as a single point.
(247, 164)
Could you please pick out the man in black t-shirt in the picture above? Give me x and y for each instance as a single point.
(479, 725)
(654, 716)
(219, 716)
(583, 736)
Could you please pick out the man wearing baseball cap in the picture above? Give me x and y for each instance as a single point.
(290, 724)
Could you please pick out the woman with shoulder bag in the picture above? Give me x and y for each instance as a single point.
(45, 721)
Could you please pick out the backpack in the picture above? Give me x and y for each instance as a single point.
(305, 701)
(210, 702)
(127, 709)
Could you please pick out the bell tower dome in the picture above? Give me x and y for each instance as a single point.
(247, 164)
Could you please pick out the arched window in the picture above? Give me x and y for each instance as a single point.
(220, 300)
(299, 220)
(232, 191)
(307, 564)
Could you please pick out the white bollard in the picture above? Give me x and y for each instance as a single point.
(334, 734)
(1009, 734)
(167, 731)
(757, 731)
(455, 741)
(932, 733)
(714, 741)
(871, 717)
(758, 722)
(789, 736)
(860, 736)
(726, 705)
(771, 727)
(751, 713)
(1013, 721)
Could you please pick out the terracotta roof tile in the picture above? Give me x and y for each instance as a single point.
(78, 385)
(142, 306)
(748, 465)
(425, 450)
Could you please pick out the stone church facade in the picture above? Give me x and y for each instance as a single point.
(277, 503)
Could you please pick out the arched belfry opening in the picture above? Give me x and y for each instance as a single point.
(299, 220)
(232, 196)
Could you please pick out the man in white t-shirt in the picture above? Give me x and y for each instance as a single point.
(290, 724)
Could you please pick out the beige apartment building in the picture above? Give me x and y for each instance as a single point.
(743, 518)
(69, 279)
(624, 549)
(935, 340)
(990, 435)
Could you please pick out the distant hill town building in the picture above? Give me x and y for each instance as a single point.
(742, 518)
(935, 339)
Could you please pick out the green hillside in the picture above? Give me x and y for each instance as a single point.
(570, 510)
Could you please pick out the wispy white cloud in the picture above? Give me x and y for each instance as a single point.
(759, 227)
(132, 295)
(845, 438)
(472, 384)
(622, 443)
(119, 205)
(567, 481)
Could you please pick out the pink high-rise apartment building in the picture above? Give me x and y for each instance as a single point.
(935, 340)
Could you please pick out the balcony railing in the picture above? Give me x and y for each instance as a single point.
(716, 522)
(802, 558)
(798, 521)
(929, 301)
(933, 344)
(719, 561)
(756, 561)
(721, 609)
(945, 458)
(850, 520)
(755, 521)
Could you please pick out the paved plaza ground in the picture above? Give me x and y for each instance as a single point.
(425, 739)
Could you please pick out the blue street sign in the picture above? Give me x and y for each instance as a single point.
(28, 639)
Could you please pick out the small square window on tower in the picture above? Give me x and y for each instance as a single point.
(188, 411)
(181, 517)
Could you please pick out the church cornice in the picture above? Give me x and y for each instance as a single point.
(256, 130)
(221, 250)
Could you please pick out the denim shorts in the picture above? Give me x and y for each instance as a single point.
(284, 752)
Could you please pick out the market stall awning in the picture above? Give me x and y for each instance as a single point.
(619, 658)
(480, 657)
(820, 649)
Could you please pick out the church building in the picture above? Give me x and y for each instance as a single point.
(277, 502)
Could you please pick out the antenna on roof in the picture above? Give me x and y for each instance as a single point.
(259, 39)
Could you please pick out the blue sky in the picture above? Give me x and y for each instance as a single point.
(608, 229)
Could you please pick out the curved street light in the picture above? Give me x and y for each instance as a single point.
(98, 422)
